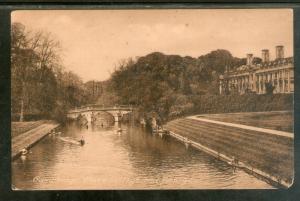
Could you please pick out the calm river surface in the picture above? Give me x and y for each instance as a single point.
(135, 159)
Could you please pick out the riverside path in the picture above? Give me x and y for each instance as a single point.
(29, 138)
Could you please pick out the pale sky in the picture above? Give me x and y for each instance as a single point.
(95, 40)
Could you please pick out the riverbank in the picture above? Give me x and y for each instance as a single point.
(134, 159)
(26, 134)
(265, 152)
(18, 128)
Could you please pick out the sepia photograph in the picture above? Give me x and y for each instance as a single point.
(125, 99)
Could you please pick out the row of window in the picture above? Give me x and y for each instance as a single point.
(261, 85)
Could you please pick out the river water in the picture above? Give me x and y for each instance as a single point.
(134, 159)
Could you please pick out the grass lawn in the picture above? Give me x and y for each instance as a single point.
(281, 120)
(272, 154)
(18, 128)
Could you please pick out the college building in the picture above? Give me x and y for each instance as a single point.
(276, 75)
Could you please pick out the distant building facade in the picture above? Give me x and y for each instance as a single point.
(276, 75)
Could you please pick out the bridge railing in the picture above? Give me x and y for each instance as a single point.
(101, 107)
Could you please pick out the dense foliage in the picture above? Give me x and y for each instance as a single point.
(242, 103)
(40, 88)
(163, 85)
(168, 86)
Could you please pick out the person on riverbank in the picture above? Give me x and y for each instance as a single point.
(82, 141)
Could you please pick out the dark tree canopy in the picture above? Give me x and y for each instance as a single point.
(165, 84)
(40, 87)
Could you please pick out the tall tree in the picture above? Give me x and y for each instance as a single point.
(33, 57)
(23, 59)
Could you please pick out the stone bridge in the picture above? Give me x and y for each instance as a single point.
(91, 111)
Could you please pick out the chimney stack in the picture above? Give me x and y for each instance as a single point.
(265, 56)
(279, 52)
(249, 59)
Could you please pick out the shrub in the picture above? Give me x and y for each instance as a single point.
(242, 103)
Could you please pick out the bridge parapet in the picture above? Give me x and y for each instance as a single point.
(90, 110)
(100, 108)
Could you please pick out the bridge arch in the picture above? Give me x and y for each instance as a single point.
(102, 118)
(82, 119)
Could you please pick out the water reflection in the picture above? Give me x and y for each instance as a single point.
(130, 159)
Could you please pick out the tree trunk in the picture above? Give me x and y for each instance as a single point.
(22, 111)
(22, 103)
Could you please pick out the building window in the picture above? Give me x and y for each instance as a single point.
(280, 85)
(285, 85)
(292, 84)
